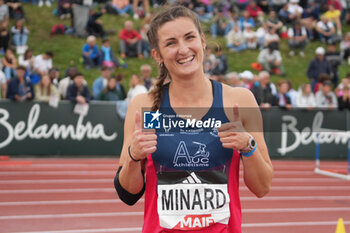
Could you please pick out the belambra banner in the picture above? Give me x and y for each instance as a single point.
(33, 128)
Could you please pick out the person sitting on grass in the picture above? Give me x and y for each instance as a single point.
(297, 39)
(130, 41)
(90, 53)
(271, 60)
(20, 88)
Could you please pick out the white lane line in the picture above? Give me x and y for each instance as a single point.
(121, 214)
(291, 224)
(56, 181)
(244, 225)
(110, 201)
(70, 181)
(109, 190)
(126, 229)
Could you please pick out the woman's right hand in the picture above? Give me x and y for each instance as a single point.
(143, 142)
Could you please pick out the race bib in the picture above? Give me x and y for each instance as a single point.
(192, 201)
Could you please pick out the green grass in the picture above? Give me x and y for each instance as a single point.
(67, 49)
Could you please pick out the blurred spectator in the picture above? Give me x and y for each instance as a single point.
(305, 98)
(4, 21)
(264, 91)
(250, 37)
(27, 60)
(221, 24)
(345, 47)
(77, 92)
(45, 89)
(146, 71)
(101, 82)
(325, 98)
(90, 53)
(220, 64)
(272, 39)
(283, 100)
(54, 75)
(344, 98)
(64, 9)
(295, 10)
(333, 15)
(15, 9)
(334, 3)
(94, 25)
(310, 17)
(277, 5)
(119, 86)
(242, 4)
(297, 39)
(334, 59)
(136, 87)
(130, 41)
(292, 93)
(146, 48)
(110, 93)
(107, 55)
(65, 82)
(44, 2)
(201, 10)
(9, 63)
(19, 36)
(232, 79)
(43, 62)
(271, 60)
(273, 21)
(245, 19)
(318, 66)
(3, 85)
(140, 10)
(121, 7)
(20, 88)
(320, 80)
(284, 15)
(209, 60)
(255, 12)
(235, 40)
(345, 82)
(261, 34)
(246, 79)
(326, 30)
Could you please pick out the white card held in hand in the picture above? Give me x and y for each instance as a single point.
(53, 101)
(81, 109)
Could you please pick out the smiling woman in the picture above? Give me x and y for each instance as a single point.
(192, 174)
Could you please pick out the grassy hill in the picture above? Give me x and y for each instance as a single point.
(67, 49)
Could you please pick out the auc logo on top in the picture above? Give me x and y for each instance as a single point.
(151, 120)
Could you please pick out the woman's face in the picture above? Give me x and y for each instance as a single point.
(181, 48)
(134, 80)
(45, 80)
(112, 83)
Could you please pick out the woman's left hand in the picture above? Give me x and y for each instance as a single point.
(233, 134)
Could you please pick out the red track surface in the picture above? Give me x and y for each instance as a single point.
(77, 195)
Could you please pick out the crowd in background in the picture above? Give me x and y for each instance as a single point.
(245, 25)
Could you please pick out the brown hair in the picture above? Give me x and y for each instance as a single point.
(168, 14)
(41, 86)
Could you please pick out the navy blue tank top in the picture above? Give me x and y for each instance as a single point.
(192, 148)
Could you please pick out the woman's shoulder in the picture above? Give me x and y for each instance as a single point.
(144, 100)
(238, 95)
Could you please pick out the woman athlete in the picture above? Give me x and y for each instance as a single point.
(190, 176)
